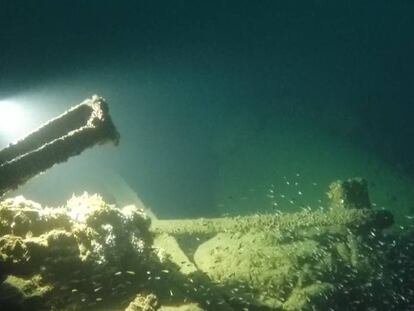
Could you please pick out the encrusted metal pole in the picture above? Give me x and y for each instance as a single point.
(298, 223)
(67, 135)
(350, 209)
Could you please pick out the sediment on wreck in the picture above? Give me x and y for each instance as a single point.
(90, 255)
(311, 260)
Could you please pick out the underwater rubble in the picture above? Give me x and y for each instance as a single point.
(90, 255)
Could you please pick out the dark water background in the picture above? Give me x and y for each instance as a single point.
(176, 73)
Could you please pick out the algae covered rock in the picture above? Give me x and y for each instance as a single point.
(143, 303)
(19, 217)
(89, 255)
(84, 252)
(23, 294)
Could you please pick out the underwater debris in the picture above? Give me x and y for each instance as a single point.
(67, 135)
(300, 261)
(74, 257)
(85, 255)
(89, 255)
(309, 260)
(352, 193)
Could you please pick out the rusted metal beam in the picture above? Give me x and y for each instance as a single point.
(67, 135)
(287, 224)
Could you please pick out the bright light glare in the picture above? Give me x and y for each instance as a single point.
(13, 119)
